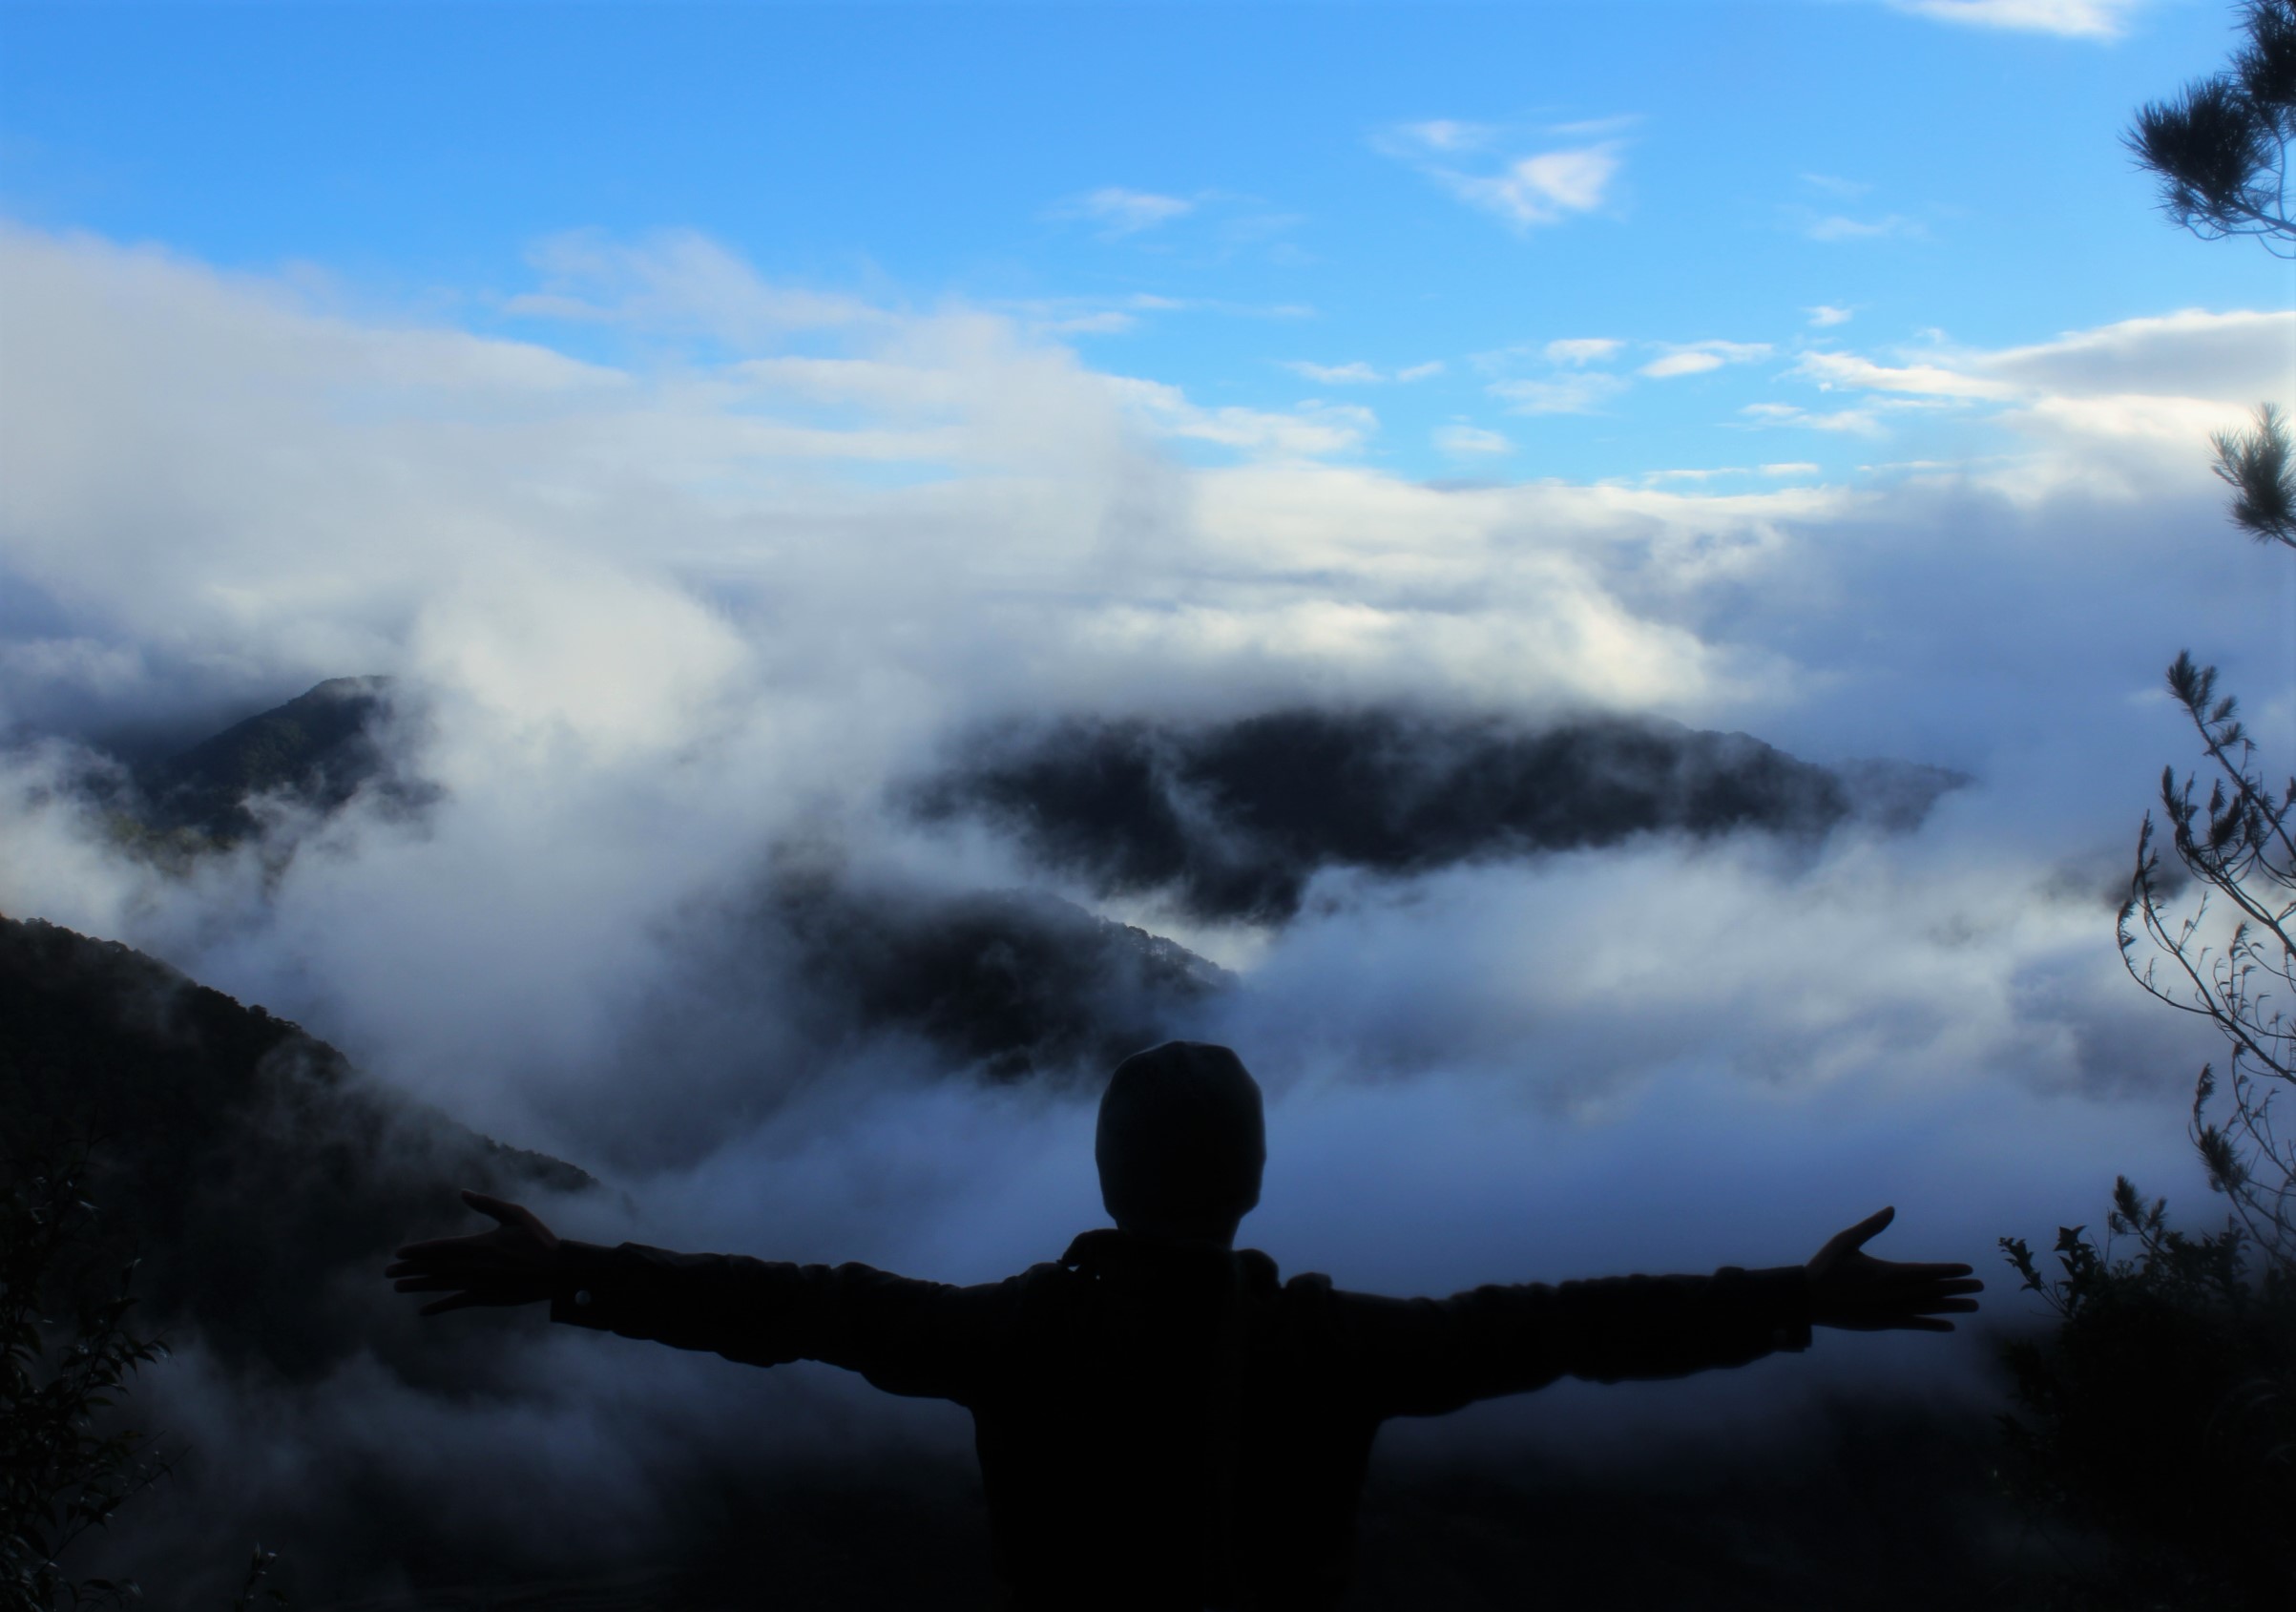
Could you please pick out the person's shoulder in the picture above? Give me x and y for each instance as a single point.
(1263, 1280)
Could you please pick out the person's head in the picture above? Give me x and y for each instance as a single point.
(1181, 1142)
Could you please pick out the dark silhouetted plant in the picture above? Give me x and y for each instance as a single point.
(2220, 941)
(67, 1350)
(2221, 148)
(2160, 1415)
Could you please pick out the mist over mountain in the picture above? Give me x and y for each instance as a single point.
(261, 1179)
(1013, 983)
(257, 1175)
(1232, 820)
(313, 754)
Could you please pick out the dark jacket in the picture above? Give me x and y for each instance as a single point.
(1165, 1427)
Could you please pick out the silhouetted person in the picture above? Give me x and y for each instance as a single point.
(1162, 1422)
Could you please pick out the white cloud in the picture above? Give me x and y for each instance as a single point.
(1581, 349)
(674, 278)
(1123, 212)
(1564, 394)
(1793, 468)
(2107, 409)
(1361, 374)
(1467, 442)
(1690, 361)
(1542, 189)
(1835, 371)
(2229, 357)
(1356, 375)
(2078, 19)
(1858, 422)
(1695, 358)
(1525, 191)
(1824, 316)
(1713, 473)
(672, 612)
(1313, 430)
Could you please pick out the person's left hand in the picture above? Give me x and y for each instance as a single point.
(1854, 1290)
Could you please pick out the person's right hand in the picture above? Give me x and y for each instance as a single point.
(1852, 1289)
(516, 1263)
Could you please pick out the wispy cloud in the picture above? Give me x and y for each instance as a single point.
(1826, 222)
(1105, 316)
(1840, 227)
(1357, 374)
(1542, 189)
(1471, 442)
(1313, 430)
(1833, 371)
(678, 278)
(1833, 184)
(1360, 373)
(1572, 386)
(1695, 358)
(1824, 315)
(1582, 349)
(1446, 133)
(1581, 393)
(2077, 19)
(1524, 191)
(1121, 212)
(1857, 421)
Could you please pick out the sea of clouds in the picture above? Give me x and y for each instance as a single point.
(695, 572)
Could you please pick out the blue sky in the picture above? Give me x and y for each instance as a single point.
(1267, 206)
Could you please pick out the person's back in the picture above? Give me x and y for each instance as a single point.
(1162, 1423)
(1124, 1442)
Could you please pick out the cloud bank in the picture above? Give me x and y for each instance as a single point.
(696, 571)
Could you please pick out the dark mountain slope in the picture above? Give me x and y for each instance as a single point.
(1009, 983)
(1232, 819)
(319, 749)
(261, 1178)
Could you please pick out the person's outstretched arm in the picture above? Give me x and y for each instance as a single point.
(1427, 1356)
(911, 1337)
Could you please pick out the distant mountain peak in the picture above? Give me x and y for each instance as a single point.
(318, 749)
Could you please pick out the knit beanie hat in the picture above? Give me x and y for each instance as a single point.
(1182, 1141)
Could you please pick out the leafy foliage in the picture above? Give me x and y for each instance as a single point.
(67, 1348)
(2220, 148)
(2255, 464)
(2161, 1413)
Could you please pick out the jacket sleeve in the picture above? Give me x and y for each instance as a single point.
(1428, 1357)
(925, 1339)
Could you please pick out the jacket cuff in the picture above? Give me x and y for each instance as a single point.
(1782, 1296)
(583, 1294)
